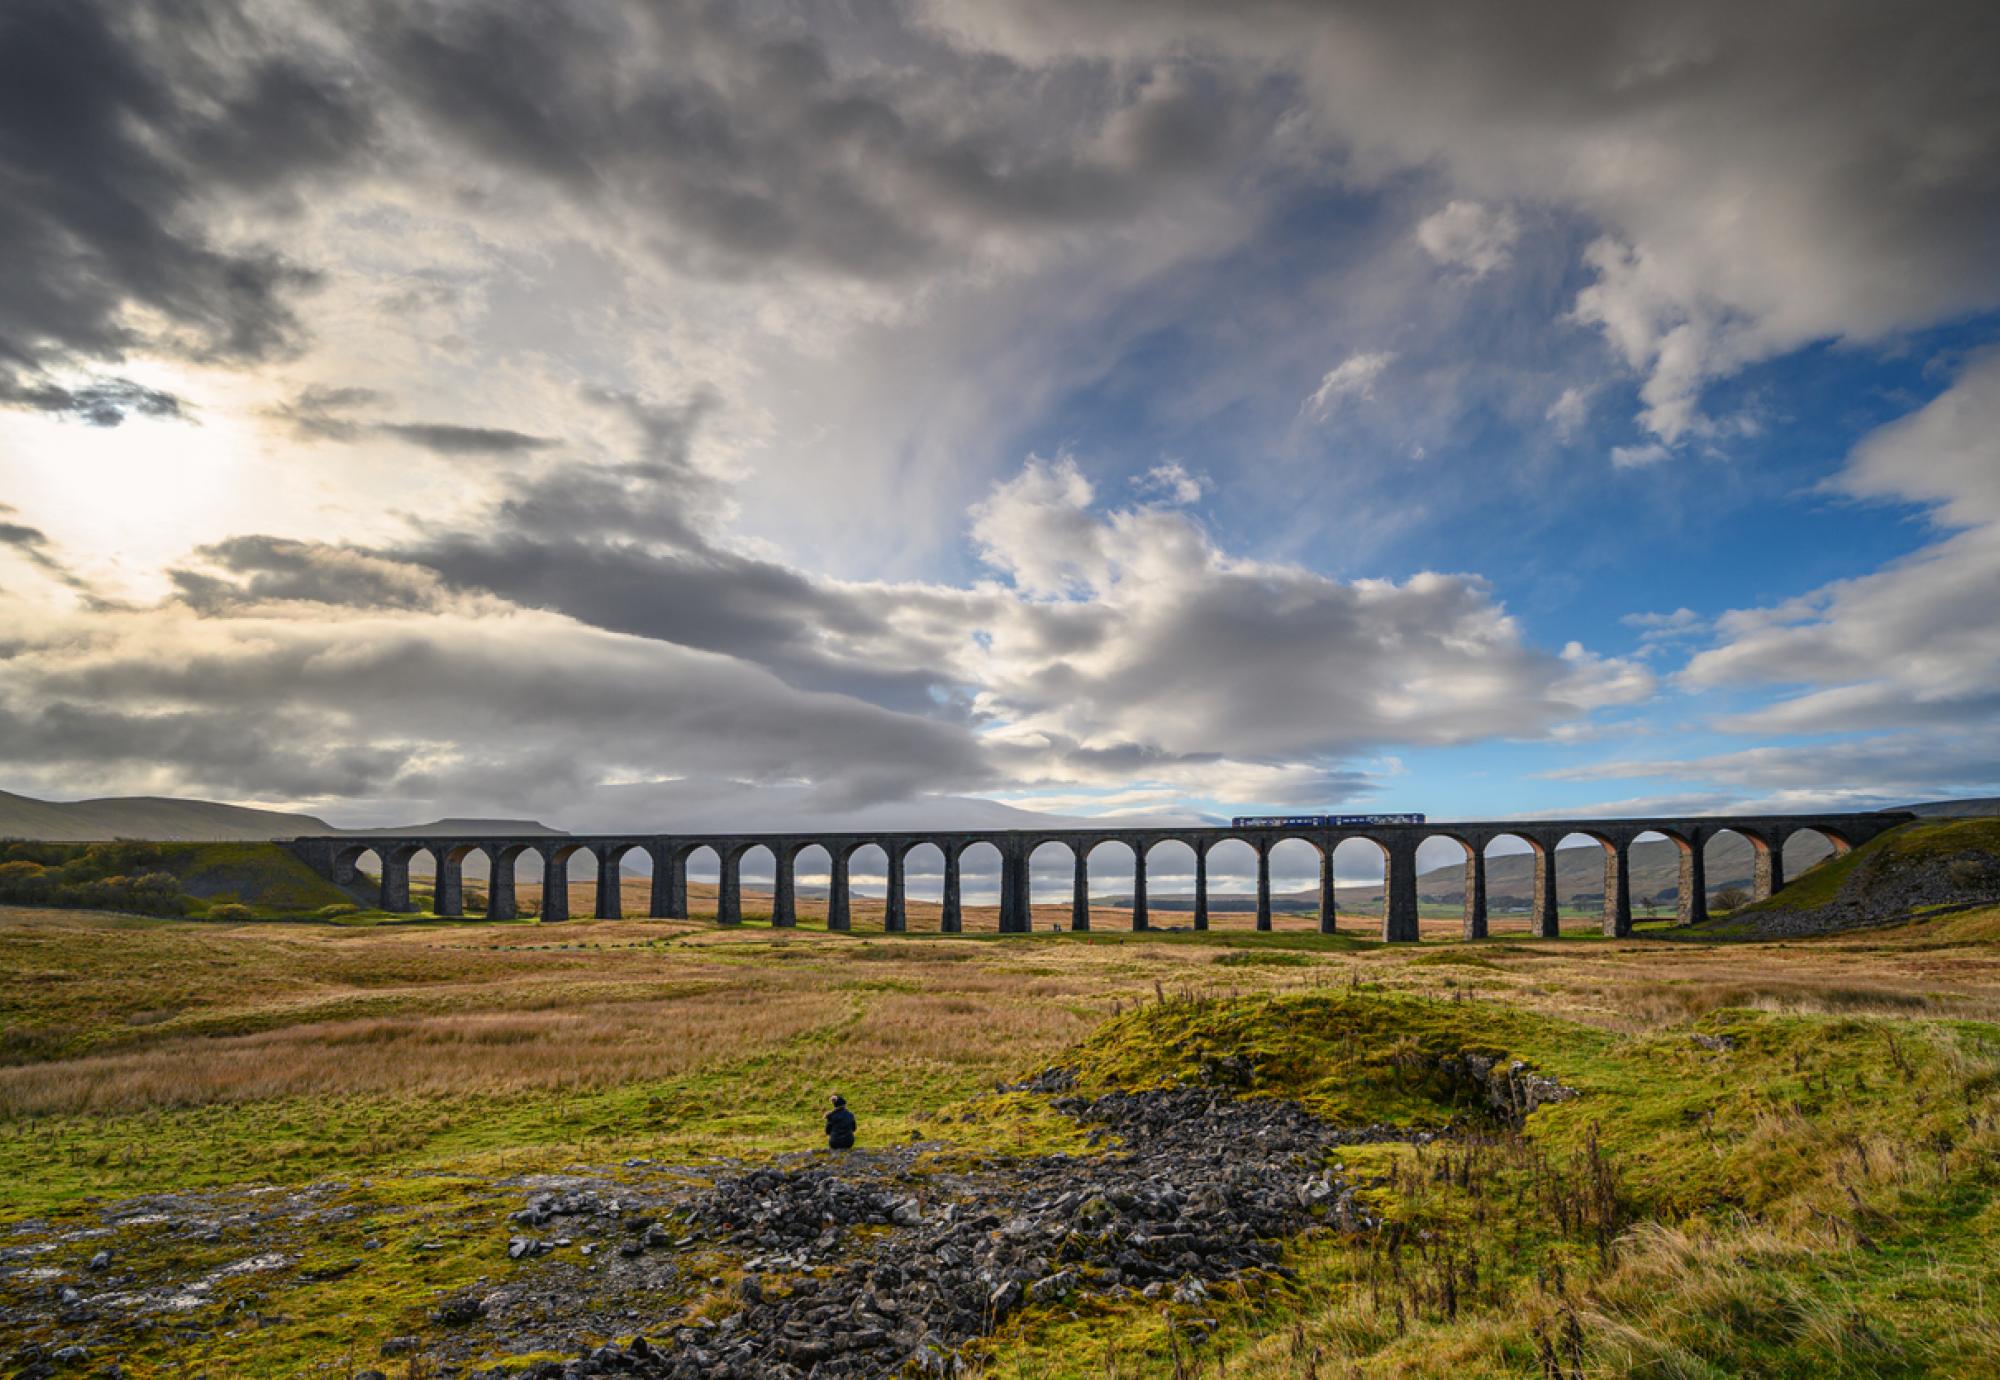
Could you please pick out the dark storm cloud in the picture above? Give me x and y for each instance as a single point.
(261, 570)
(1764, 175)
(261, 751)
(753, 145)
(445, 439)
(624, 547)
(33, 546)
(326, 414)
(118, 123)
(105, 402)
(496, 709)
(628, 547)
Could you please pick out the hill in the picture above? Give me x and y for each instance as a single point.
(164, 818)
(229, 880)
(1949, 861)
(146, 817)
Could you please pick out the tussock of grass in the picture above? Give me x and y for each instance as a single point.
(1454, 958)
(1252, 958)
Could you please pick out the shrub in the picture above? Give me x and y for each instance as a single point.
(1731, 898)
(229, 910)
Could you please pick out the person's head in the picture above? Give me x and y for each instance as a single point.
(839, 1101)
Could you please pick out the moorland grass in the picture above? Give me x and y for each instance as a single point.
(1807, 1188)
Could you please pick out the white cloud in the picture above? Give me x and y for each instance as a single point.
(1353, 377)
(1172, 482)
(1897, 769)
(1658, 629)
(1638, 457)
(1129, 658)
(1467, 235)
(1569, 412)
(1915, 644)
(1037, 528)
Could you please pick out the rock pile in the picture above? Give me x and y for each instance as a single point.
(1201, 1186)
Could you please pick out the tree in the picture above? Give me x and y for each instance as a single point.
(1730, 898)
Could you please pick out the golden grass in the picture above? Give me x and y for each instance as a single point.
(105, 1013)
(484, 1052)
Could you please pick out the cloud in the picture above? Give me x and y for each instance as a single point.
(127, 136)
(33, 546)
(1112, 651)
(1127, 650)
(1353, 377)
(1758, 187)
(1638, 457)
(1859, 774)
(1172, 482)
(1469, 236)
(1914, 644)
(326, 414)
(515, 709)
(1657, 630)
(246, 574)
(1569, 412)
(738, 146)
(103, 402)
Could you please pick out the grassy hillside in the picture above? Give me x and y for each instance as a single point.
(222, 880)
(1923, 865)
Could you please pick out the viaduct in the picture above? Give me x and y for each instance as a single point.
(336, 858)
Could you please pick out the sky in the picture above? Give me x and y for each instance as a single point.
(772, 415)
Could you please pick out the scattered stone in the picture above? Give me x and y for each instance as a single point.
(1048, 1082)
(1202, 1187)
(399, 1346)
(459, 1310)
(102, 1260)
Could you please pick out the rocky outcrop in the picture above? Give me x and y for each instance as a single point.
(1200, 1188)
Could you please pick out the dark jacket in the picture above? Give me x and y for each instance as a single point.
(840, 1129)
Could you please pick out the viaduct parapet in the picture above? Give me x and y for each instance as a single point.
(336, 858)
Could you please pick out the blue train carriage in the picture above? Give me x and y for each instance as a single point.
(1320, 821)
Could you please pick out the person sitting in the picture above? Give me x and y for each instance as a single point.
(840, 1125)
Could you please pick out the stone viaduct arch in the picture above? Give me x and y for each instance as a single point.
(337, 858)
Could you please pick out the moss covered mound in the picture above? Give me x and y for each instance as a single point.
(1911, 869)
(1355, 1058)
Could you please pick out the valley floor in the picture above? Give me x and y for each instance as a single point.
(294, 1143)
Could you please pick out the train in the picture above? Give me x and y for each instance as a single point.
(1319, 821)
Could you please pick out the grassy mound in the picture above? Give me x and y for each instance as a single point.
(227, 880)
(1749, 1194)
(1925, 864)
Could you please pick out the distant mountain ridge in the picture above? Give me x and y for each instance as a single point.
(169, 819)
(146, 817)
